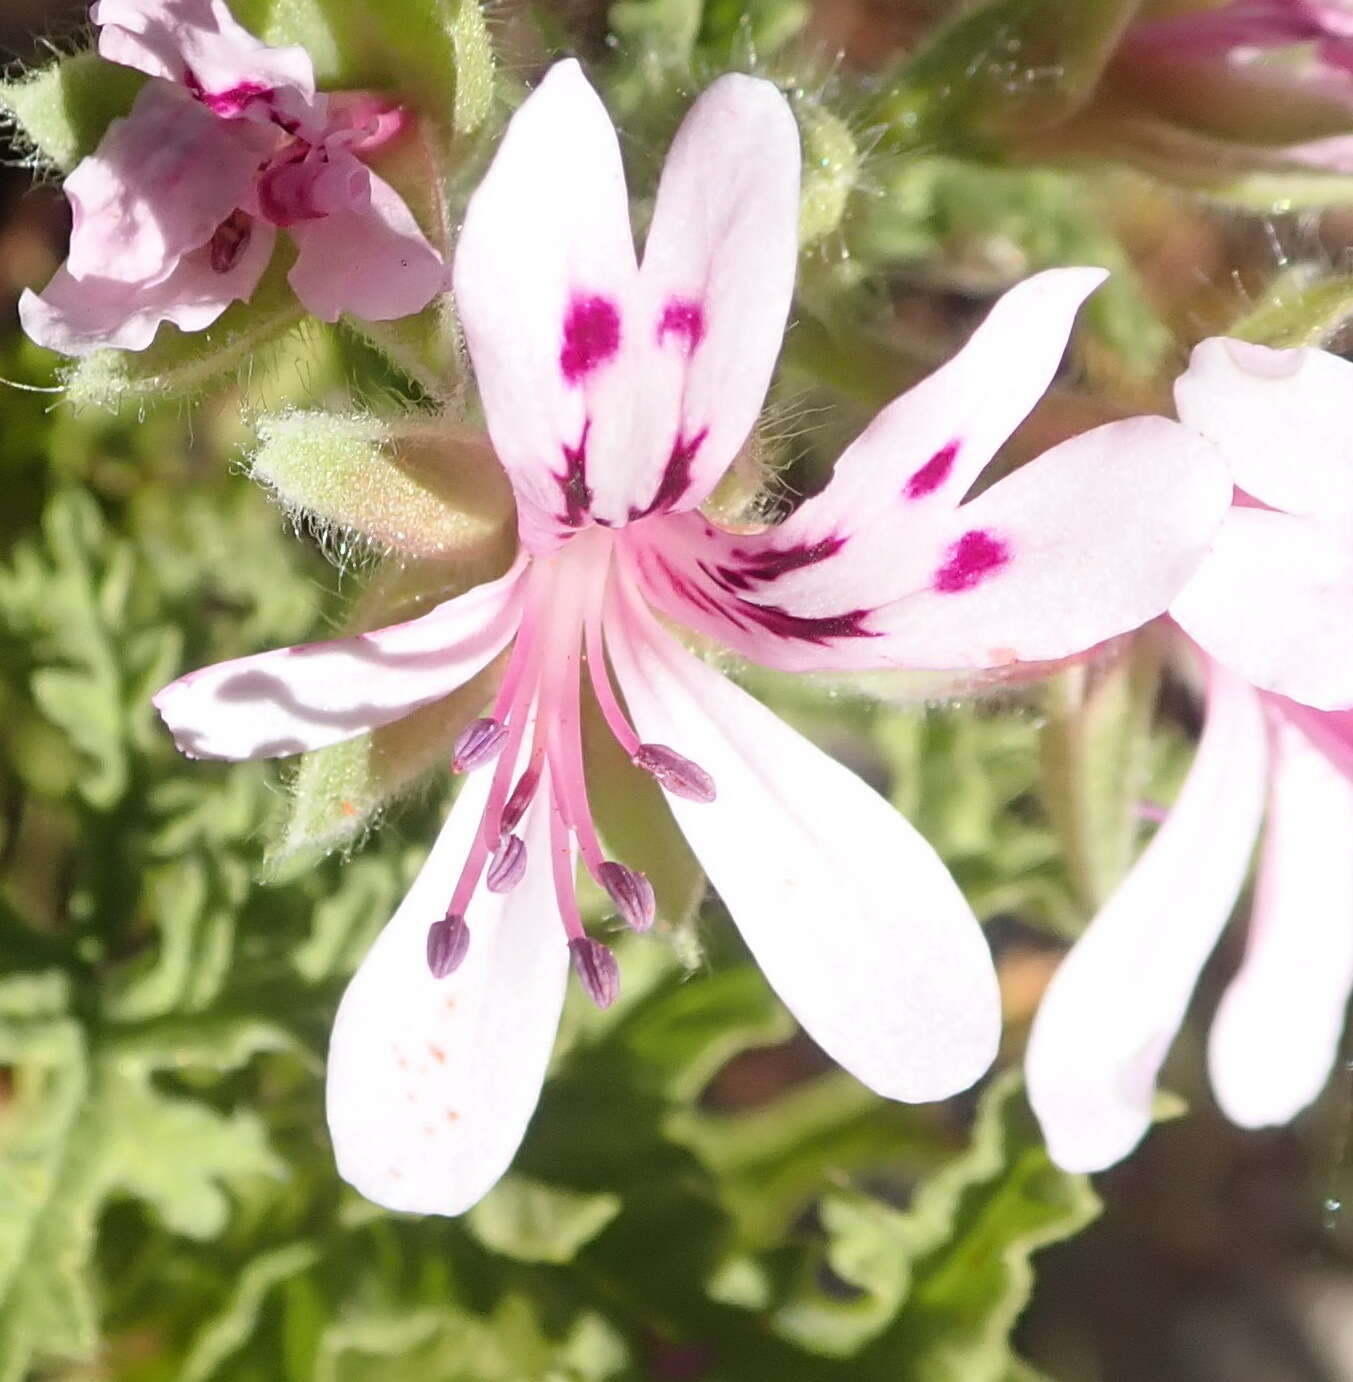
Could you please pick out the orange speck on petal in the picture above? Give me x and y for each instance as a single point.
(437, 1053)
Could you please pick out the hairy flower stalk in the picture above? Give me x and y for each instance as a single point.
(617, 391)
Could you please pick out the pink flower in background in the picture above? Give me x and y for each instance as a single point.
(617, 393)
(176, 213)
(1271, 609)
(1250, 24)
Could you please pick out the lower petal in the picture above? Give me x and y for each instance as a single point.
(849, 912)
(1272, 602)
(1117, 1000)
(375, 263)
(1277, 1031)
(432, 1082)
(80, 316)
(293, 700)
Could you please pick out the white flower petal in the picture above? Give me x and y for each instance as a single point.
(1272, 601)
(1282, 418)
(1117, 1000)
(1277, 1031)
(855, 921)
(544, 266)
(703, 329)
(296, 699)
(1090, 540)
(432, 1082)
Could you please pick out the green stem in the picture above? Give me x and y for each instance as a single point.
(1094, 749)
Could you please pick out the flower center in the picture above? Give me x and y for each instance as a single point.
(533, 736)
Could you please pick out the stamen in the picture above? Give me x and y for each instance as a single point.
(522, 795)
(448, 940)
(562, 866)
(678, 775)
(631, 892)
(229, 240)
(616, 720)
(508, 866)
(479, 742)
(596, 969)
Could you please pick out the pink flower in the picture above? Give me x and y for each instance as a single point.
(176, 212)
(616, 395)
(1245, 25)
(1208, 69)
(1270, 609)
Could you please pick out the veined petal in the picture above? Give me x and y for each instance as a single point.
(1272, 601)
(432, 1082)
(160, 182)
(296, 699)
(1118, 998)
(198, 44)
(1277, 1031)
(544, 266)
(79, 316)
(703, 328)
(855, 921)
(1282, 418)
(924, 450)
(1090, 540)
(375, 263)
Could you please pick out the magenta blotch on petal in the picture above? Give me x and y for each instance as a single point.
(596, 969)
(683, 318)
(591, 336)
(933, 473)
(976, 556)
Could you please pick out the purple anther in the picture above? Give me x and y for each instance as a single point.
(520, 798)
(631, 892)
(508, 865)
(596, 969)
(230, 240)
(678, 775)
(448, 940)
(478, 743)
